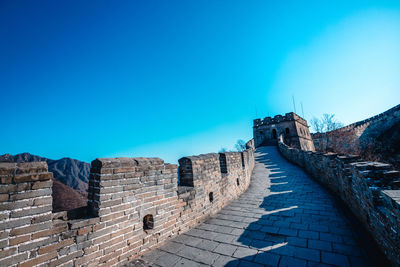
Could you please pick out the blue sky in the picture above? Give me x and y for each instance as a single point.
(88, 79)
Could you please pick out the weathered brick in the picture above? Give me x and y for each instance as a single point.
(101, 239)
(42, 184)
(8, 188)
(91, 249)
(55, 247)
(67, 258)
(116, 246)
(98, 226)
(7, 252)
(111, 242)
(88, 258)
(111, 216)
(16, 204)
(39, 259)
(31, 167)
(31, 194)
(3, 234)
(84, 244)
(30, 211)
(121, 232)
(43, 201)
(101, 232)
(36, 244)
(117, 220)
(10, 261)
(3, 243)
(33, 177)
(4, 197)
(110, 203)
(41, 218)
(124, 170)
(48, 232)
(84, 230)
(6, 179)
(7, 168)
(110, 256)
(75, 224)
(14, 223)
(19, 239)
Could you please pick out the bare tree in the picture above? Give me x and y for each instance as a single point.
(240, 145)
(326, 123)
(317, 125)
(330, 122)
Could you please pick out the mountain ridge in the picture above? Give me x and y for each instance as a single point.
(71, 179)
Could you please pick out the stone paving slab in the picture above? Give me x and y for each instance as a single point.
(283, 219)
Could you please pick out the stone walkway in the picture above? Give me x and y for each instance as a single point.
(283, 219)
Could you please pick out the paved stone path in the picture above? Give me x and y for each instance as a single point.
(283, 219)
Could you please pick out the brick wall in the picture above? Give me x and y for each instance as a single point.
(134, 204)
(351, 137)
(369, 189)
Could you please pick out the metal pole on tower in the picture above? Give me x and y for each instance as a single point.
(302, 111)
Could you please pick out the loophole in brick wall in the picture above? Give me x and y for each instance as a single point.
(211, 196)
(237, 181)
(148, 222)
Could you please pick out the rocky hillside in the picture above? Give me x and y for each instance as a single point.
(71, 179)
(66, 198)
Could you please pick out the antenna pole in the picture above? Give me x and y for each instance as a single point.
(294, 104)
(302, 111)
(256, 110)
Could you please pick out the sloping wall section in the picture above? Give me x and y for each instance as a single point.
(357, 135)
(370, 190)
(135, 204)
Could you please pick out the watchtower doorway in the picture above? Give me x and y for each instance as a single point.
(274, 135)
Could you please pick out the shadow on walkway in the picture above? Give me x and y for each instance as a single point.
(300, 225)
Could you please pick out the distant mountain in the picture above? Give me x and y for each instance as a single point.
(71, 179)
(71, 172)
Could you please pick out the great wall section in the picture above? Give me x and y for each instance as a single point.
(358, 134)
(134, 205)
(370, 189)
(250, 208)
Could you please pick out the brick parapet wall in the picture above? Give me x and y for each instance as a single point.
(114, 228)
(369, 189)
(25, 211)
(357, 133)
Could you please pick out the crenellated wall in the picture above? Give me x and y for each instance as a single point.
(369, 189)
(357, 135)
(134, 204)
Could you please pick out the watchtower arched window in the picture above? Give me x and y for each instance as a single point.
(274, 135)
(287, 131)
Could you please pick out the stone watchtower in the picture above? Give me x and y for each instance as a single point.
(292, 128)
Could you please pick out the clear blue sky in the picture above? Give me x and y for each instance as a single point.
(87, 79)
